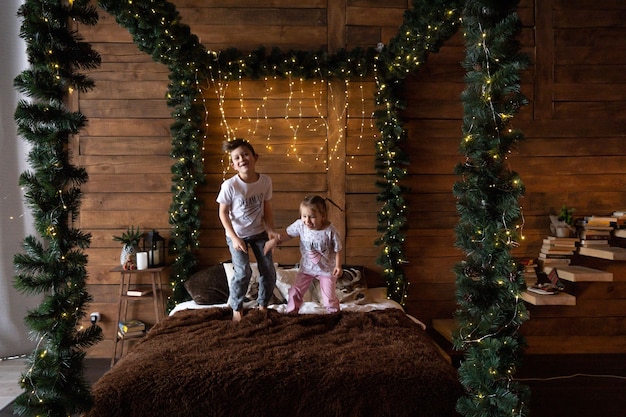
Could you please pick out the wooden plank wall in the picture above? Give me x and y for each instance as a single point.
(573, 153)
(312, 136)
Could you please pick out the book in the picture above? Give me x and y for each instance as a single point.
(553, 261)
(600, 220)
(594, 234)
(130, 326)
(139, 291)
(547, 243)
(561, 241)
(131, 334)
(593, 242)
(543, 291)
(556, 250)
(619, 233)
(543, 255)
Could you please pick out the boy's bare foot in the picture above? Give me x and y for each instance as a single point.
(237, 316)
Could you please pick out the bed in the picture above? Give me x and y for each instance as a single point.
(369, 359)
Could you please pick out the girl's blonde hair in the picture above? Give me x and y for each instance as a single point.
(315, 202)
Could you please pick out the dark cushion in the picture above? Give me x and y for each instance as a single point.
(208, 286)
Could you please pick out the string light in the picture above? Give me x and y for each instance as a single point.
(260, 124)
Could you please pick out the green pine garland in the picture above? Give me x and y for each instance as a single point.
(489, 281)
(54, 263)
(157, 30)
(424, 30)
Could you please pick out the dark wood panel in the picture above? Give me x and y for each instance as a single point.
(306, 4)
(124, 145)
(591, 110)
(105, 89)
(255, 15)
(589, 82)
(127, 127)
(374, 16)
(128, 108)
(573, 154)
(571, 17)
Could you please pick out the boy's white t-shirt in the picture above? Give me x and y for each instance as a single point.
(318, 247)
(246, 201)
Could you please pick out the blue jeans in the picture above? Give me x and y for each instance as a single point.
(241, 279)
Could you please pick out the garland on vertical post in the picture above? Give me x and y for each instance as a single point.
(54, 263)
(424, 30)
(489, 281)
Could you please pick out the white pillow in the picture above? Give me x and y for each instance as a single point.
(253, 287)
(285, 278)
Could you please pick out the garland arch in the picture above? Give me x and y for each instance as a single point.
(157, 30)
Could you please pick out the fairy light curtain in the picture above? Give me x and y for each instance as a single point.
(291, 120)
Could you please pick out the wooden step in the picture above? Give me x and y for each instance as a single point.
(558, 299)
(609, 252)
(578, 273)
(445, 327)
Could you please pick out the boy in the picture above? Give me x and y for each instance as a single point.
(245, 211)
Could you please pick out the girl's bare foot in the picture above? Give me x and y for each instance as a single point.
(237, 316)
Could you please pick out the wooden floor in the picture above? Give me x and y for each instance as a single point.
(561, 385)
(575, 385)
(10, 371)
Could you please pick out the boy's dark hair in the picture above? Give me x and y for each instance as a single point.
(231, 145)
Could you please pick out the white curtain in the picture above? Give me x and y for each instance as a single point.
(15, 217)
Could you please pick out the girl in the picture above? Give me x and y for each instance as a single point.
(320, 248)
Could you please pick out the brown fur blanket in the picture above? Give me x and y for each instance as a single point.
(199, 363)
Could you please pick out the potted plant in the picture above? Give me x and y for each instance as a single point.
(130, 244)
(562, 225)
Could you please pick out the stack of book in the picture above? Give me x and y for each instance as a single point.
(620, 223)
(131, 328)
(557, 251)
(530, 270)
(595, 231)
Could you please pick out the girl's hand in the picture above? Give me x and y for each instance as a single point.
(270, 245)
(337, 272)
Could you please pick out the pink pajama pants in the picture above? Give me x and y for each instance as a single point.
(327, 286)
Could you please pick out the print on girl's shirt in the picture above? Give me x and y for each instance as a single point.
(315, 248)
(314, 256)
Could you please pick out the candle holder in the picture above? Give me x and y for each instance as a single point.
(154, 244)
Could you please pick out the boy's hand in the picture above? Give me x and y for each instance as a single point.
(239, 244)
(273, 235)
